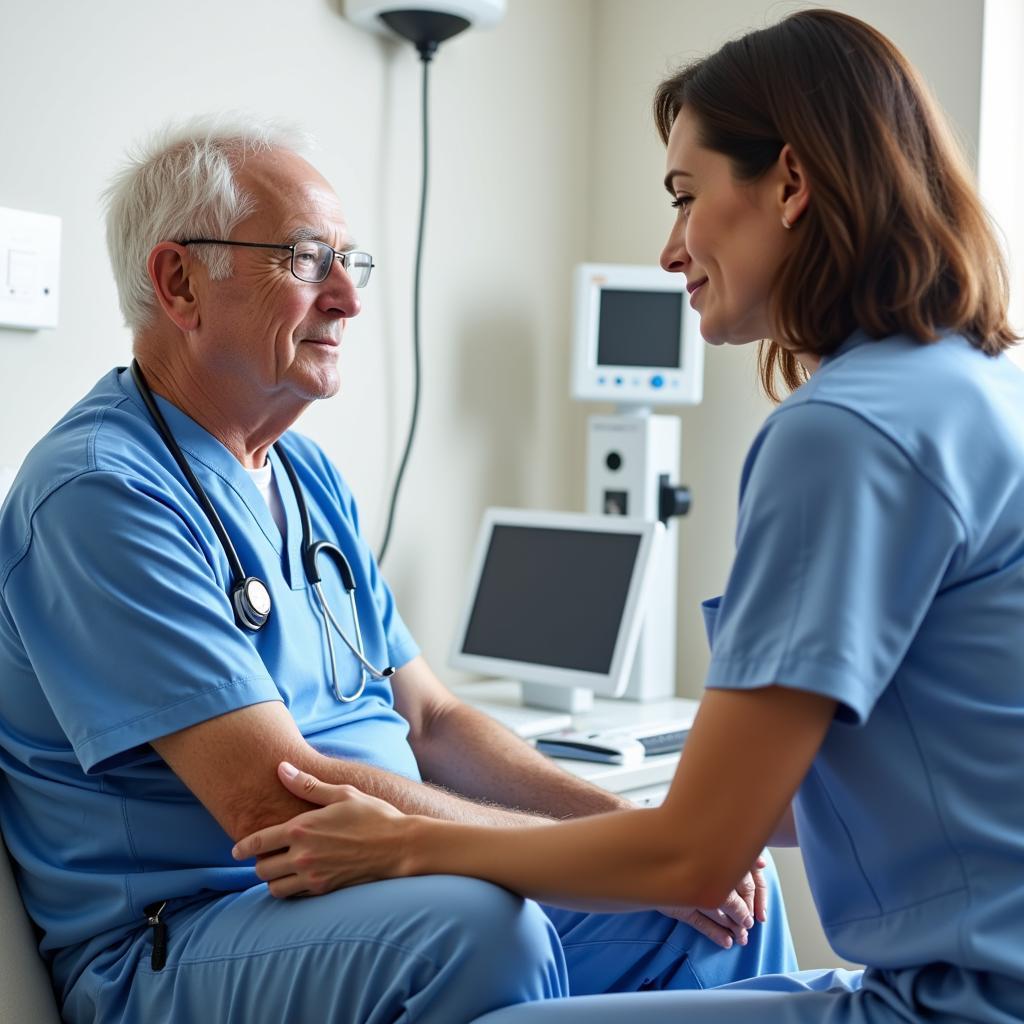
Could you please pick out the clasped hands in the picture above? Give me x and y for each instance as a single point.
(353, 838)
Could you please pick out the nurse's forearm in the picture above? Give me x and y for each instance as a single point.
(625, 859)
(745, 757)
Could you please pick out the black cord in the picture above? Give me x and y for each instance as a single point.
(425, 58)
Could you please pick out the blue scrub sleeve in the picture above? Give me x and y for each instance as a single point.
(842, 544)
(128, 629)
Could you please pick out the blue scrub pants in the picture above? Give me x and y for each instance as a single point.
(804, 997)
(939, 993)
(431, 950)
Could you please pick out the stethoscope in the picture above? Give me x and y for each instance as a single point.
(249, 595)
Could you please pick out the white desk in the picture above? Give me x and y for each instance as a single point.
(645, 783)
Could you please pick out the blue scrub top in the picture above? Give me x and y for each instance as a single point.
(116, 629)
(880, 562)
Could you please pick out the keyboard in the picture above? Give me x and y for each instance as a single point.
(664, 742)
(619, 745)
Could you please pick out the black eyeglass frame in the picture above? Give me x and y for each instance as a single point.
(345, 257)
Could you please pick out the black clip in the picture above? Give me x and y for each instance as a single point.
(153, 912)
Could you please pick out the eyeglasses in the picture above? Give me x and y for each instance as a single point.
(311, 260)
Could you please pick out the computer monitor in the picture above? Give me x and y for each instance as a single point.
(636, 339)
(556, 598)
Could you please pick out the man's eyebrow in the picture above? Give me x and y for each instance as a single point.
(305, 233)
(674, 174)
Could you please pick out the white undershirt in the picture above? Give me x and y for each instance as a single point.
(266, 483)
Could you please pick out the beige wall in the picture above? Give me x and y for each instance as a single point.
(544, 155)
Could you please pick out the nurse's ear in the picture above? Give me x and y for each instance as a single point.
(794, 190)
(170, 269)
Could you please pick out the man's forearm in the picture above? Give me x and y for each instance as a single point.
(465, 751)
(414, 797)
(230, 764)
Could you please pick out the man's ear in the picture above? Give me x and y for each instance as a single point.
(795, 189)
(169, 269)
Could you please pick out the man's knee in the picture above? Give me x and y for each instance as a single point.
(498, 931)
(488, 948)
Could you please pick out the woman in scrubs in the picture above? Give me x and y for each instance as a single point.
(866, 688)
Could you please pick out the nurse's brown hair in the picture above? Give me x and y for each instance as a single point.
(894, 238)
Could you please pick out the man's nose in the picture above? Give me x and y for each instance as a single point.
(339, 294)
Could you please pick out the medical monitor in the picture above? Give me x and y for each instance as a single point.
(636, 339)
(556, 598)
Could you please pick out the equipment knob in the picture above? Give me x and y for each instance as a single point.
(673, 499)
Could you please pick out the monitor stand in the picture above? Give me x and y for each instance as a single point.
(572, 699)
(502, 700)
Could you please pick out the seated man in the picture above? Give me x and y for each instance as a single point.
(162, 651)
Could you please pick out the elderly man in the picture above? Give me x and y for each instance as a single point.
(163, 611)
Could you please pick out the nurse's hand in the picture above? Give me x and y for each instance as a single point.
(349, 840)
(731, 922)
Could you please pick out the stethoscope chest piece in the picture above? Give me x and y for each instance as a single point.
(251, 601)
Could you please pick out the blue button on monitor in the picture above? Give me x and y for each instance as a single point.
(657, 381)
(618, 380)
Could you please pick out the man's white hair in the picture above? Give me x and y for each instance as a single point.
(180, 184)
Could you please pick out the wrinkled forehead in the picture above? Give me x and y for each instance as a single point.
(291, 197)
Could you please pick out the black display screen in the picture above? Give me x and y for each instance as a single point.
(640, 328)
(552, 597)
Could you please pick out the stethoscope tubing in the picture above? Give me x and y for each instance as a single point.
(310, 552)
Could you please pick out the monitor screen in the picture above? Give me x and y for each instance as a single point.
(552, 597)
(640, 328)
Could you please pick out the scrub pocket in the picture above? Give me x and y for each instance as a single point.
(709, 609)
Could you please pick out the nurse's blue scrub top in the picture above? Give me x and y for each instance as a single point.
(116, 629)
(880, 562)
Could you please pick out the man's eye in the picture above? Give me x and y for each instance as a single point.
(306, 257)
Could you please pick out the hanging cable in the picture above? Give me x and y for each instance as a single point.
(425, 56)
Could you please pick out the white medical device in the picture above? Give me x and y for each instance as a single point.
(636, 338)
(555, 601)
(637, 343)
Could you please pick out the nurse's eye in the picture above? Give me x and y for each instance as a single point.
(682, 202)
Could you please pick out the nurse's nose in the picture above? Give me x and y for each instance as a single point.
(674, 257)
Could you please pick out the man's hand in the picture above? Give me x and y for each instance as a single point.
(729, 923)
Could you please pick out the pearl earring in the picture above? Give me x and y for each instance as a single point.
(785, 223)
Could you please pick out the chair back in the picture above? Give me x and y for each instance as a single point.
(25, 990)
(26, 994)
